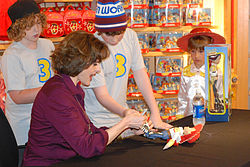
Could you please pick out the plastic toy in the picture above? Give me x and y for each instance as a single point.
(174, 136)
(218, 82)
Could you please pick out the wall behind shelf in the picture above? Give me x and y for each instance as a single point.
(249, 58)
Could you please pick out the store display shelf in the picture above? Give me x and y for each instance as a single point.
(147, 29)
(157, 96)
(159, 29)
(156, 54)
(5, 45)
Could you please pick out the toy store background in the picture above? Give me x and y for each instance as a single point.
(229, 18)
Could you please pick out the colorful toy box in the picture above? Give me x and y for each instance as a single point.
(165, 85)
(204, 17)
(168, 109)
(143, 41)
(138, 105)
(169, 66)
(218, 82)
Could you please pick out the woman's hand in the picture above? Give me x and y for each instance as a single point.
(135, 120)
(140, 131)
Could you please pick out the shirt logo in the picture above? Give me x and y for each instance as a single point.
(120, 65)
(45, 70)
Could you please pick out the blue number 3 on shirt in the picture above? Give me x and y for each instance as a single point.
(120, 65)
(45, 66)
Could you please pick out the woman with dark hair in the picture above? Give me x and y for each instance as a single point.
(60, 128)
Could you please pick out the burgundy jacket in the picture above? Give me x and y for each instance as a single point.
(59, 127)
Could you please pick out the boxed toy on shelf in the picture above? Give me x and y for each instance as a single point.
(152, 41)
(204, 17)
(166, 106)
(218, 82)
(135, 3)
(132, 87)
(166, 41)
(165, 85)
(169, 66)
(168, 109)
(170, 16)
(137, 13)
(143, 41)
(138, 105)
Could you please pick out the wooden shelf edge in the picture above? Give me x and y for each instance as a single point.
(4, 46)
(181, 28)
(157, 96)
(157, 54)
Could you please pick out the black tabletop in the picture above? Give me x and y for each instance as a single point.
(221, 144)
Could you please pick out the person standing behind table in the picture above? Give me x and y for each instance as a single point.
(25, 64)
(110, 86)
(193, 75)
(58, 120)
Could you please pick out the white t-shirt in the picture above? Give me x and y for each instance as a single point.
(115, 69)
(24, 68)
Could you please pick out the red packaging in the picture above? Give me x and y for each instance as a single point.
(72, 19)
(54, 24)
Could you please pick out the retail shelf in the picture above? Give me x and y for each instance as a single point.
(181, 28)
(154, 54)
(5, 45)
(157, 96)
(147, 29)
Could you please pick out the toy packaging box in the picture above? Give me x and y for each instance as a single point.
(167, 41)
(168, 109)
(218, 82)
(165, 85)
(143, 41)
(169, 66)
(139, 105)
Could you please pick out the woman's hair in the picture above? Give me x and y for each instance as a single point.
(112, 33)
(78, 51)
(199, 42)
(17, 30)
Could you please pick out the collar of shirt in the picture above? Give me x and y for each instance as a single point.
(76, 90)
(197, 70)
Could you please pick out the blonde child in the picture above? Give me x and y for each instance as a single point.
(25, 65)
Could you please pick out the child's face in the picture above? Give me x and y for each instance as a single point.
(198, 57)
(112, 40)
(34, 32)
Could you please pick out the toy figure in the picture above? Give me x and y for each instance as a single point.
(216, 104)
(152, 41)
(174, 136)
